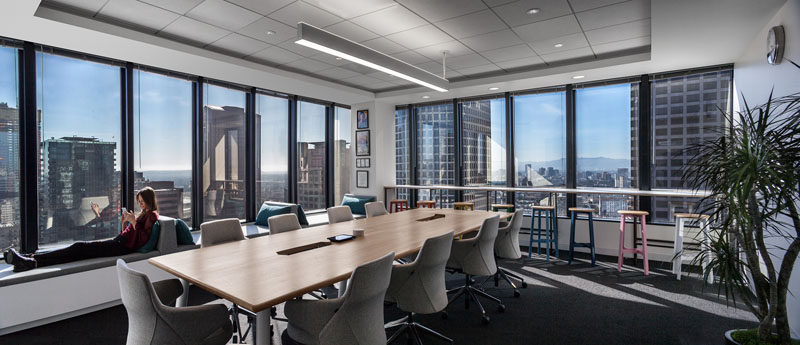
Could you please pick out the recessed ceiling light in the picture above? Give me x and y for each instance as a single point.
(578, 76)
(338, 58)
(426, 97)
(534, 10)
(558, 45)
(270, 32)
(494, 88)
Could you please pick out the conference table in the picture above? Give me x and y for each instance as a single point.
(262, 272)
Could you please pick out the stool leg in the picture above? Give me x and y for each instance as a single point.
(621, 242)
(591, 236)
(678, 251)
(539, 232)
(547, 248)
(644, 245)
(571, 236)
(555, 230)
(530, 240)
(707, 258)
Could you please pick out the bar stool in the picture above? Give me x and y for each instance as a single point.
(507, 207)
(551, 222)
(680, 222)
(624, 214)
(464, 205)
(572, 244)
(398, 205)
(426, 204)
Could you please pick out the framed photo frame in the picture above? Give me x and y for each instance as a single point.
(362, 119)
(362, 142)
(362, 162)
(362, 178)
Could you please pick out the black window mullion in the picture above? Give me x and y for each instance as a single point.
(126, 136)
(510, 168)
(413, 179)
(330, 137)
(458, 165)
(28, 150)
(197, 157)
(571, 144)
(645, 143)
(250, 152)
(292, 137)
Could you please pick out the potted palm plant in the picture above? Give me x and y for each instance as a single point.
(753, 175)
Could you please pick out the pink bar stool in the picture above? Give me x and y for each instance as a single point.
(624, 214)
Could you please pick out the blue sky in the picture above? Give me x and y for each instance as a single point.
(540, 124)
(8, 76)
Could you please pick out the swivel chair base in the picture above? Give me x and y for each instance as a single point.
(472, 293)
(407, 324)
(506, 275)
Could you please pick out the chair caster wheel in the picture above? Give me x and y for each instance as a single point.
(444, 315)
(516, 293)
(501, 308)
(524, 285)
(485, 320)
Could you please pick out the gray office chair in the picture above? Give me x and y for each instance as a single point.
(338, 214)
(283, 223)
(354, 318)
(375, 208)
(419, 288)
(506, 246)
(220, 231)
(151, 322)
(475, 257)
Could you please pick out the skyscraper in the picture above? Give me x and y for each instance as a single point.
(310, 179)
(9, 176)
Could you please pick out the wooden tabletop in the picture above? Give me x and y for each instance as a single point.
(253, 275)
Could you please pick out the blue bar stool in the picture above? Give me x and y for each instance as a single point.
(551, 222)
(572, 244)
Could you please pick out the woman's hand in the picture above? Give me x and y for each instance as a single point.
(128, 217)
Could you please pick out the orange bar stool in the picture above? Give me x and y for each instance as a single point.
(633, 214)
(398, 205)
(464, 205)
(426, 204)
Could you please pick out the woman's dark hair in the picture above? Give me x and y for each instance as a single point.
(148, 195)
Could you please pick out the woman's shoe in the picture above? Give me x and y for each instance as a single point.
(7, 257)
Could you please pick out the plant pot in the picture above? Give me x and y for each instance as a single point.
(729, 337)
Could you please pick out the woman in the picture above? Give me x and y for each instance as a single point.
(136, 231)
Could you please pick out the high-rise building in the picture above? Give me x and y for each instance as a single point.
(310, 175)
(9, 174)
(435, 149)
(224, 162)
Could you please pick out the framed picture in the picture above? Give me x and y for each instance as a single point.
(362, 119)
(362, 178)
(362, 143)
(362, 162)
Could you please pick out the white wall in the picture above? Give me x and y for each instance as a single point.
(381, 130)
(754, 78)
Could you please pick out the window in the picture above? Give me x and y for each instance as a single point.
(483, 124)
(689, 117)
(540, 152)
(223, 153)
(272, 131)
(605, 120)
(311, 156)
(436, 151)
(162, 130)
(401, 154)
(79, 182)
(342, 154)
(9, 149)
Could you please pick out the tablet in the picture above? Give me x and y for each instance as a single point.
(341, 238)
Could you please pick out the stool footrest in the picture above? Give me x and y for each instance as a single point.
(587, 245)
(633, 250)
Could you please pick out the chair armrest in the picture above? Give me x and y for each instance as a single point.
(168, 291)
(400, 274)
(311, 315)
(197, 322)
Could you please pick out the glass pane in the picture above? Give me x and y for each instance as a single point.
(223, 153)
(162, 130)
(435, 151)
(311, 156)
(401, 142)
(80, 126)
(9, 149)
(540, 152)
(484, 151)
(685, 112)
(342, 154)
(272, 131)
(604, 117)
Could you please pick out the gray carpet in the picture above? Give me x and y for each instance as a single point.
(563, 304)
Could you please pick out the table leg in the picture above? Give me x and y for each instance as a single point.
(183, 299)
(261, 333)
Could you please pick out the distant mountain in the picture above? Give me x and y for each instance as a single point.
(591, 163)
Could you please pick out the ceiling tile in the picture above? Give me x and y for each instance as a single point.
(330, 59)
(436, 69)
(88, 6)
(238, 45)
(615, 14)
(516, 13)
(351, 31)
(493, 40)
(360, 69)
(453, 48)
(177, 6)
(276, 55)
(437, 10)
(548, 29)
(568, 55)
(418, 37)
(308, 65)
(298, 49)
(509, 53)
(411, 57)
(466, 61)
(137, 13)
(348, 8)
(479, 69)
(185, 28)
(384, 46)
(621, 45)
(381, 85)
(362, 80)
(383, 76)
(619, 32)
(223, 14)
(390, 20)
(259, 30)
(337, 73)
(472, 24)
(302, 12)
(568, 42)
(529, 62)
(261, 6)
(493, 3)
(583, 5)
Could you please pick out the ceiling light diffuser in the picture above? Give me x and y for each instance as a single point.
(494, 88)
(533, 11)
(578, 77)
(326, 42)
(558, 45)
(426, 97)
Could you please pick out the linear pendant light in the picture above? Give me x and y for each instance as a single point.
(326, 42)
